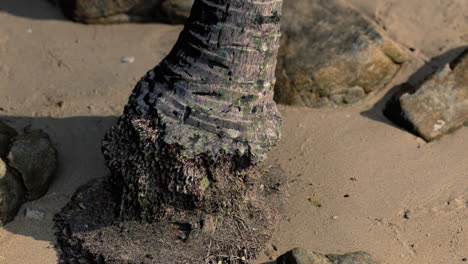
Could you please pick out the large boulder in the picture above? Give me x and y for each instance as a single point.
(11, 193)
(304, 256)
(121, 11)
(331, 55)
(437, 106)
(6, 135)
(35, 159)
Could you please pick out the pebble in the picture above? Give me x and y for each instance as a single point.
(406, 214)
(128, 59)
(34, 214)
(335, 217)
(29, 30)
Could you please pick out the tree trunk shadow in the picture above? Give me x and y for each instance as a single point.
(37, 9)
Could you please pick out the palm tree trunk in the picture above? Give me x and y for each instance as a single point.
(183, 155)
(196, 124)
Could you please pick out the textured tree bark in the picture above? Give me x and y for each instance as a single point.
(196, 124)
(185, 186)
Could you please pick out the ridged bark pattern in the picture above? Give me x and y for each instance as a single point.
(214, 91)
(197, 122)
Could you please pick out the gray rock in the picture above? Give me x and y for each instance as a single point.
(302, 256)
(11, 194)
(34, 214)
(127, 59)
(436, 107)
(122, 11)
(6, 134)
(359, 257)
(34, 157)
(328, 49)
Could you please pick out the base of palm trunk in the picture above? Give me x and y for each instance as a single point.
(89, 230)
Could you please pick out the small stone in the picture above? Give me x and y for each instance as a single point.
(29, 30)
(11, 194)
(302, 256)
(127, 59)
(407, 214)
(34, 214)
(359, 257)
(34, 157)
(335, 217)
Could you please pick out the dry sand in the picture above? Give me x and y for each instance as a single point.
(326, 153)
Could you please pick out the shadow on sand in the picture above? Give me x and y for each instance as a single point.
(36, 9)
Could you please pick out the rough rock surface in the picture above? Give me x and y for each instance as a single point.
(359, 257)
(34, 157)
(121, 11)
(6, 135)
(436, 107)
(11, 193)
(331, 55)
(175, 11)
(303, 256)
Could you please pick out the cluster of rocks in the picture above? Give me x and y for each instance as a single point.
(303, 256)
(27, 165)
(438, 105)
(121, 11)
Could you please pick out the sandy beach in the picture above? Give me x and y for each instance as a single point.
(383, 190)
